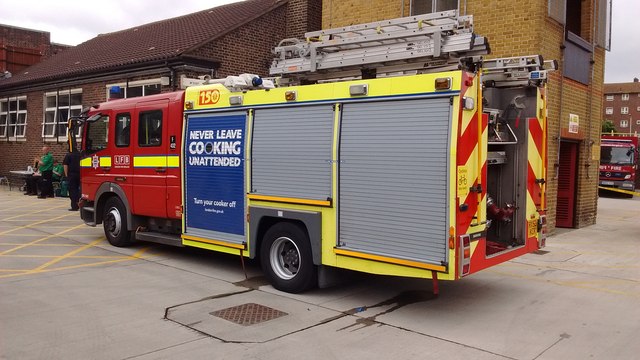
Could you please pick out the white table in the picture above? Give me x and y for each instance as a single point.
(21, 174)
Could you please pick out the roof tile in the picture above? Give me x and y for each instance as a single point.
(159, 40)
(622, 88)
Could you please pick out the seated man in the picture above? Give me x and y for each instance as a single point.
(58, 171)
(31, 183)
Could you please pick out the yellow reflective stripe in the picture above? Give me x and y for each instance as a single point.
(173, 161)
(289, 200)
(389, 260)
(149, 161)
(105, 161)
(214, 242)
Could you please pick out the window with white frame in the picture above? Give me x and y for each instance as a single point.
(638, 109)
(13, 118)
(133, 89)
(637, 122)
(624, 110)
(608, 111)
(625, 97)
(624, 123)
(609, 97)
(429, 6)
(58, 107)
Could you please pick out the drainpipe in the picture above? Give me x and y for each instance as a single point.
(590, 143)
(562, 47)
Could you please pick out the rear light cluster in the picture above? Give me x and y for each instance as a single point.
(465, 258)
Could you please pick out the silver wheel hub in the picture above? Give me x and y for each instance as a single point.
(114, 222)
(284, 257)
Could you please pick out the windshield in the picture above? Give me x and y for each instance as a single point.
(616, 155)
(97, 134)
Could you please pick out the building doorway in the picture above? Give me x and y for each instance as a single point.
(567, 184)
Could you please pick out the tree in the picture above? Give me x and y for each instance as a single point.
(608, 127)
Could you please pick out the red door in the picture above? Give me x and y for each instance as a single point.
(567, 178)
(150, 159)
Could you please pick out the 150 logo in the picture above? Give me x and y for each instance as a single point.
(209, 97)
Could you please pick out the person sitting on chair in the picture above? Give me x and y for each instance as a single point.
(46, 169)
(31, 183)
(58, 171)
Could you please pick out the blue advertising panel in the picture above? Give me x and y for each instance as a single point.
(214, 174)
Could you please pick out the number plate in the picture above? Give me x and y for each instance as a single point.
(532, 228)
(609, 183)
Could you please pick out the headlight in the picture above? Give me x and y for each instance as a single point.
(628, 176)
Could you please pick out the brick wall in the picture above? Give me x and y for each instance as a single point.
(303, 16)
(20, 48)
(633, 117)
(338, 13)
(248, 49)
(513, 30)
(17, 155)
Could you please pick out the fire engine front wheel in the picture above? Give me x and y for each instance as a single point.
(114, 221)
(286, 259)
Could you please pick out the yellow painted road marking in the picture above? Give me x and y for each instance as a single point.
(74, 257)
(30, 272)
(39, 240)
(37, 212)
(44, 268)
(50, 245)
(71, 253)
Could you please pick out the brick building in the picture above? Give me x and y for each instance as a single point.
(148, 59)
(622, 106)
(573, 32)
(21, 48)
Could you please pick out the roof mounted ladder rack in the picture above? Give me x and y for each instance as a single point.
(412, 43)
(516, 71)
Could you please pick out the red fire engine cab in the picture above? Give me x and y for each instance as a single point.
(619, 162)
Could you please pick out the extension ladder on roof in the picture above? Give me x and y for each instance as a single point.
(410, 43)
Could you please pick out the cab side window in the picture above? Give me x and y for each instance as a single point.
(150, 128)
(123, 129)
(97, 135)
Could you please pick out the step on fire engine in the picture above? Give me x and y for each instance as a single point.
(394, 150)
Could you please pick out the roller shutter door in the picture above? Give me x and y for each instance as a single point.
(393, 180)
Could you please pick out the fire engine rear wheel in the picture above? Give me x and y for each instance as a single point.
(114, 221)
(286, 258)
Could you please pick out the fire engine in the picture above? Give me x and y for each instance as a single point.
(619, 163)
(389, 148)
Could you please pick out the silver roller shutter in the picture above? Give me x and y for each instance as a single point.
(291, 152)
(393, 182)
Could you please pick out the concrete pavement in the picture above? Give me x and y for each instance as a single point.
(65, 293)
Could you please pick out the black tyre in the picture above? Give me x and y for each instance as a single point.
(114, 220)
(286, 258)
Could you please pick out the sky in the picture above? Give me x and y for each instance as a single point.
(73, 21)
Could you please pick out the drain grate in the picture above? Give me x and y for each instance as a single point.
(248, 314)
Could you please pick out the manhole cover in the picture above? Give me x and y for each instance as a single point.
(248, 314)
(541, 252)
